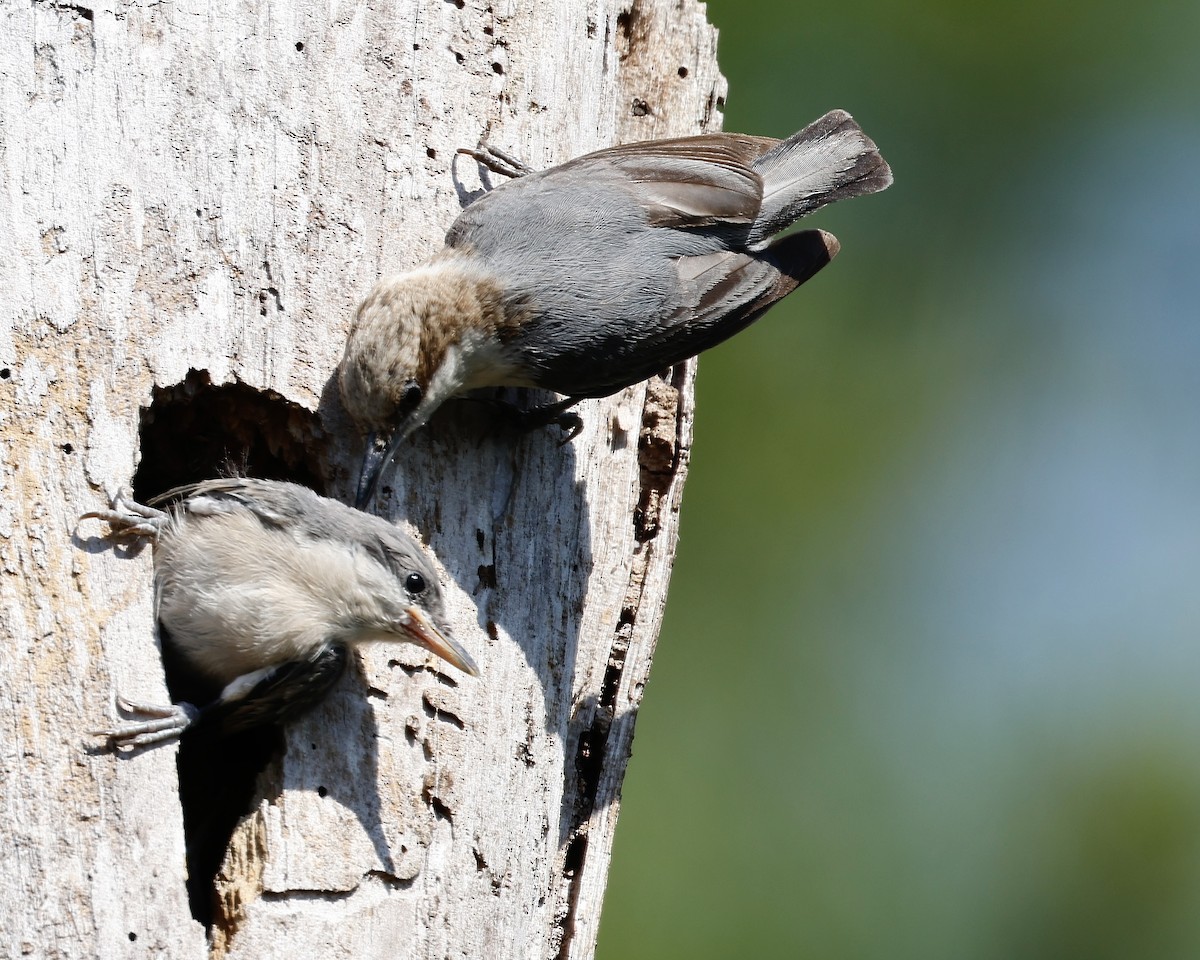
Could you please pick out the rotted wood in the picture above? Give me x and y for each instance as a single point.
(197, 196)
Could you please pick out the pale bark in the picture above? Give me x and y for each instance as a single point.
(212, 186)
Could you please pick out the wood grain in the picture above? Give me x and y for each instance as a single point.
(212, 187)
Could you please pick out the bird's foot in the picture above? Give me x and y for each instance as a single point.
(496, 160)
(567, 420)
(534, 418)
(129, 519)
(157, 724)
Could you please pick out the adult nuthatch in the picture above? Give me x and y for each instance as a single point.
(261, 589)
(595, 274)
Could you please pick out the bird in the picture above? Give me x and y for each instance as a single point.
(593, 275)
(262, 589)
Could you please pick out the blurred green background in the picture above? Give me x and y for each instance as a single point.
(929, 682)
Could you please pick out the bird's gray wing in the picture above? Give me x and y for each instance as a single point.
(684, 183)
(274, 502)
(725, 292)
(606, 200)
(284, 691)
(306, 515)
(288, 507)
(719, 293)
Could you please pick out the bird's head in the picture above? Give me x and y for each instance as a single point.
(418, 339)
(398, 597)
(390, 356)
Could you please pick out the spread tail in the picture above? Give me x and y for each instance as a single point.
(829, 160)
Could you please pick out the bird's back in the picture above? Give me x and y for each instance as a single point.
(627, 260)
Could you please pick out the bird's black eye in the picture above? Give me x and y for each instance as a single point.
(414, 583)
(411, 396)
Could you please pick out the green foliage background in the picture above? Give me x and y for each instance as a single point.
(928, 684)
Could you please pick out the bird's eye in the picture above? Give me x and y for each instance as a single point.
(414, 583)
(412, 395)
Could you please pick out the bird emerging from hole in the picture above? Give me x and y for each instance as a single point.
(262, 588)
(595, 274)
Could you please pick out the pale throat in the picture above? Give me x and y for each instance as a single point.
(477, 359)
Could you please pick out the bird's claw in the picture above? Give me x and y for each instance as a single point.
(534, 418)
(558, 414)
(128, 519)
(571, 424)
(496, 160)
(158, 724)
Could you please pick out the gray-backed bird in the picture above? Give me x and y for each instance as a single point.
(262, 588)
(595, 274)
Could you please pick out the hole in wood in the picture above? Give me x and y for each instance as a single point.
(195, 431)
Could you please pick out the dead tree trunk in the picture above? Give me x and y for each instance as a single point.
(195, 197)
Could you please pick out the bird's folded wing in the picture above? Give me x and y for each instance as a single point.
(726, 291)
(687, 182)
(227, 494)
(278, 693)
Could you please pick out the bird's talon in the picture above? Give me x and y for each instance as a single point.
(571, 424)
(158, 724)
(496, 160)
(128, 519)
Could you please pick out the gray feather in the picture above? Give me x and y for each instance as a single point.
(831, 159)
(630, 259)
(308, 517)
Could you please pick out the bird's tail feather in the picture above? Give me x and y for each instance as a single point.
(829, 160)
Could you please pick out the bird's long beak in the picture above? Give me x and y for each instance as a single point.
(375, 461)
(421, 631)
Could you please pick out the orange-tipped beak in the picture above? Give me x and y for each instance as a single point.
(421, 631)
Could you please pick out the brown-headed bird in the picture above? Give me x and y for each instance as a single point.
(595, 274)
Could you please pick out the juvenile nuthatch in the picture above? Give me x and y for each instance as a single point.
(261, 589)
(593, 275)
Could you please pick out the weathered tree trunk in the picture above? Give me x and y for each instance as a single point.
(195, 196)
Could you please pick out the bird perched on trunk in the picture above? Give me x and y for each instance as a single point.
(261, 589)
(597, 273)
